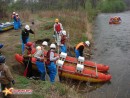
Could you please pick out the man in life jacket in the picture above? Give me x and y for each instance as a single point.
(25, 36)
(57, 30)
(63, 40)
(80, 47)
(50, 63)
(15, 20)
(5, 76)
(39, 55)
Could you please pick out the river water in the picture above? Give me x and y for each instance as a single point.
(112, 43)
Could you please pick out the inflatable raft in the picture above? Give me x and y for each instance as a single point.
(73, 61)
(88, 64)
(6, 26)
(115, 20)
(73, 70)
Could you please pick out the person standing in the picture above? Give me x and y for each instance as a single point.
(63, 40)
(18, 21)
(51, 63)
(15, 20)
(5, 75)
(80, 47)
(25, 36)
(57, 30)
(39, 55)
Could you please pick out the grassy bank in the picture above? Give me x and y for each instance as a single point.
(112, 6)
(73, 22)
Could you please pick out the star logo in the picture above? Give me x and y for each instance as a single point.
(7, 91)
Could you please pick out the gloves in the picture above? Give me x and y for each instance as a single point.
(13, 82)
(57, 57)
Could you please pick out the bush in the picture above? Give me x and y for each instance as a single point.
(112, 6)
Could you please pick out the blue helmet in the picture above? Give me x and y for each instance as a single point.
(1, 45)
(2, 59)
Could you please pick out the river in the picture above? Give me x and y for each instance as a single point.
(112, 43)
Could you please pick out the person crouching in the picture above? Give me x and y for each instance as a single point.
(39, 55)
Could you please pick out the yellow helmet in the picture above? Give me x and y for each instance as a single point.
(56, 20)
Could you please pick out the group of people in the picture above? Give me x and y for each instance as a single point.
(16, 19)
(44, 66)
(38, 52)
(115, 19)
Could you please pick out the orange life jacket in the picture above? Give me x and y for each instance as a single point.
(80, 44)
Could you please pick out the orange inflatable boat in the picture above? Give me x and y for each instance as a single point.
(72, 70)
(115, 20)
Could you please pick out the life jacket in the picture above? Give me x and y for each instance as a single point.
(47, 62)
(31, 51)
(63, 39)
(57, 27)
(80, 44)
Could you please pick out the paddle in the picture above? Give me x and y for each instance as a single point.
(57, 75)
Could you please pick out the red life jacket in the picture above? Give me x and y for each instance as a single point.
(47, 62)
(57, 27)
(63, 39)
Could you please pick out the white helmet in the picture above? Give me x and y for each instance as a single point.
(17, 14)
(45, 43)
(87, 43)
(38, 48)
(52, 46)
(27, 27)
(14, 13)
(64, 32)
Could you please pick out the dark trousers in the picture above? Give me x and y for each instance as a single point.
(28, 63)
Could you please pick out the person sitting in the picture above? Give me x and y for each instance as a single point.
(80, 47)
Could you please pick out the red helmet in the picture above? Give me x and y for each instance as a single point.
(29, 44)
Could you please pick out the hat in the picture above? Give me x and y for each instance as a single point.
(57, 20)
(52, 46)
(27, 27)
(45, 43)
(87, 43)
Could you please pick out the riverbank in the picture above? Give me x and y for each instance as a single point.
(73, 22)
